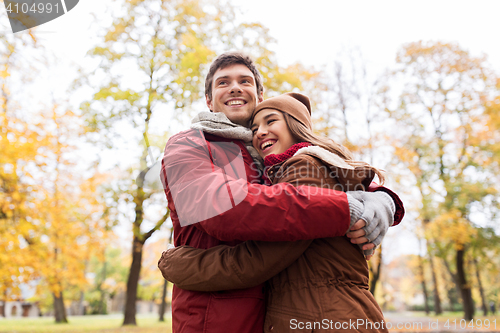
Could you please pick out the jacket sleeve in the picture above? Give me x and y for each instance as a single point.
(204, 195)
(226, 267)
(247, 264)
(400, 209)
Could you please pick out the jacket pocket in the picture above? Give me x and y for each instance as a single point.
(239, 311)
(278, 321)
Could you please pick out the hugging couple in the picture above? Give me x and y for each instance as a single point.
(264, 238)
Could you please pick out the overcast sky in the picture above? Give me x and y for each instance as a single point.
(313, 31)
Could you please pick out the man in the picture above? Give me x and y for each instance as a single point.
(215, 197)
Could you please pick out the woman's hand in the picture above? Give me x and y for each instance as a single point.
(357, 235)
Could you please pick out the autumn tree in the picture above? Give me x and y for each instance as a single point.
(440, 117)
(21, 143)
(51, 214)
(59, 220)
(74, 217)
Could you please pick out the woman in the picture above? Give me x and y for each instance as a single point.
(326, 286)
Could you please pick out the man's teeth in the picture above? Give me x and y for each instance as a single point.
(267, 144)
(235, 102)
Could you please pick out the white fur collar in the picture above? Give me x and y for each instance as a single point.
(324, 155)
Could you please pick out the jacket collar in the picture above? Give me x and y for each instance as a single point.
(306, 148)
(349, 175)
(326, 156)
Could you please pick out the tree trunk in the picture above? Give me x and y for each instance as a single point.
(163, 306)
(3, 303)
(163, 301)
(481, 290)
(132, 282)
(453, 298)
(59, 309)
(424, 286)
(137, 247)
(80, 309)
(342, 95)
(451, 291)
(437, 300)
(376, 273)
(465, 290)
(102, 308)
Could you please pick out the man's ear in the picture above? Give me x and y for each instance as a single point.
(261, 97)
(209, 102)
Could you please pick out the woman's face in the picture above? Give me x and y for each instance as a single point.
(271, 135)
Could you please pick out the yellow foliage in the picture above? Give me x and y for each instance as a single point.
(48, 229)
(452, 227)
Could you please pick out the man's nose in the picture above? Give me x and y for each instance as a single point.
(235, 87)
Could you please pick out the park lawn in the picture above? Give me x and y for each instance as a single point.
(95, 324)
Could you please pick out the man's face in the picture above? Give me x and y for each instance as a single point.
(234, 93)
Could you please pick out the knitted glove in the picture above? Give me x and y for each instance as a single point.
(355, 208)
(379, 209)
(367, 252)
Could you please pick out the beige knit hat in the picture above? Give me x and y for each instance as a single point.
(295, 104)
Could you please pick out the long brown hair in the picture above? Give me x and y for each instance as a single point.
(303, 134)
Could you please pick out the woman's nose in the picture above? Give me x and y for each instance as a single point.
(261, 132)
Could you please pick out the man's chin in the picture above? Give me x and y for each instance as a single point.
(240, 118)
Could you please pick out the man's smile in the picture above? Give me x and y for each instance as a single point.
(236, 102)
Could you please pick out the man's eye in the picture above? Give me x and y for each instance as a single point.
(222, 83)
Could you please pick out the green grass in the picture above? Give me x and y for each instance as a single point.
(95, 324)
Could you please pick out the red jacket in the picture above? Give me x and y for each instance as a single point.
(214, 196)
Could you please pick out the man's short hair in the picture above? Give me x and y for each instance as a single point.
(229, 59)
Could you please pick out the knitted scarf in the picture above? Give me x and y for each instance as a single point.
(218, 124)
(273, 159)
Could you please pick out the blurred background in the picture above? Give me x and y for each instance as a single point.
(88, 101)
